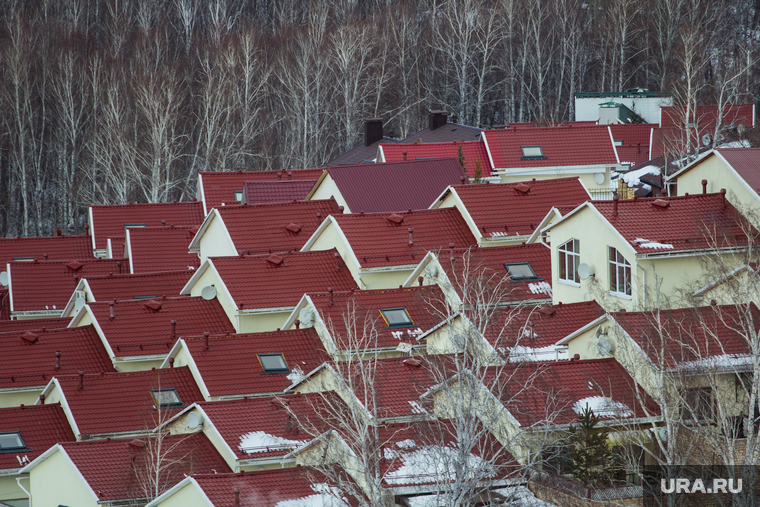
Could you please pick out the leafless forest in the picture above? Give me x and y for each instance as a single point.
(111, 101)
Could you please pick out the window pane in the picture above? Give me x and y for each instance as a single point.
(576, 246)
(273, 362)
(166, 397)
(396, 317)
(519, 271)
(238, 195)
(562, 266)
(11, 441)
(532, 151)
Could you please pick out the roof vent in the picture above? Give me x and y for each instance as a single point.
(395, 218)
(661, 203)
(74, 265)
(275, 259)
(137, 443)
(208, 292)
(153, 305)
(294, 228)
(30, 337)
(414, 363)
(547, 310)
(523, 188)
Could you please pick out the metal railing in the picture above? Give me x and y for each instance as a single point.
(601, 195)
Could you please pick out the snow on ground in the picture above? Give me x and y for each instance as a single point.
(540, 288)
(434, 463)
(645, 243)
(521, 496)
(603, 407)
(632, 178)
(326, 496)
(259, 441)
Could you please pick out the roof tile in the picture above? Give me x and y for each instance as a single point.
(474, 152)
(157, 249)
(267, 192)
(57, 248)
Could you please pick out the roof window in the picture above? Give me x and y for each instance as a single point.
(520, 271)
(273, 363)
(144, 297)
(396, 317)
(11, 441)
(618, 142)
(23, 259)
(532, 152)
(132, 226)
(239, 195)
(166, 398)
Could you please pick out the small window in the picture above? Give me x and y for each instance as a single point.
(698, 405)
(239, 195)
(166, 398)
(23, 259)
(532, 152)
(273, 363)
(620, 273)
(569, 260)
(520, 271)
(144, 297)
(396, 317)
(132, 226)
(618, 142)
(11, 441)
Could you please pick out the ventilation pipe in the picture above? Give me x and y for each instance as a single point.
(419, 280)
(411, 236)
(81, 379)
(332, 300)
(174, 328)
(704, 186)
(615, 200)
(205, 338)
(57, 359)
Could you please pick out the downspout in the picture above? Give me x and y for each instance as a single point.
(643, 286)
(18, 481)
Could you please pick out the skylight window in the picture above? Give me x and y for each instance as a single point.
(11, 441)
(532, 152)
(166, 398)
(273, 363)
(239, 195)
(396, 317)
(520, 271)
(618, 142)
(144, 297)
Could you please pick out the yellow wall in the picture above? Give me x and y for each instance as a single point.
(187, 496)
(587, 179)
(215, 242)
(56, 482)
(331, 238)
(328, 189)
(9, 489)
(262, 322)
(210, 278)
(86, 320)
(16, 398)
(386, 279)
(137, 365)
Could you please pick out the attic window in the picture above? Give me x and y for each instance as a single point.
(11, 441)
(273, 363)
(520, 271)
(166, 398)
(144, 297)
(532, 152)
(134, 226)
(396, 317)
(23, 259)
(618, 142)
(239, 195)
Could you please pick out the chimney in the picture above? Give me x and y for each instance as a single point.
(373, 131)
(411, 237)
(81, 379)
(205, 338)
(42, 399)
(110, 305)
(171, 362)
(723, 197)
(704, 186)
(298, 324)
(436, 119)
(174, 328)
(332, 300)
(615, 200)
(419, 280)
(57, 359)
(236, 491)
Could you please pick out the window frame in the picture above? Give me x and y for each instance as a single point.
(532, 157)
(615, 269)
(133, 226)
(393, 326)
(157, 404)
(235, 193)
(273, 370)
(533, 278)
(24, 447)
(563, 254)
(705, 402)
(23, 259)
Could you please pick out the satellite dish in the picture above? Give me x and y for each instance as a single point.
(585, 270)
(4, 278)
(79, 303)
(599, 178)
(706, 140)
(208, 293)
(604, 346)
(601, 331)
(306, 316)
(193, 420)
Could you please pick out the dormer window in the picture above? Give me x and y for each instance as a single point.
(529, 152)
(166, 398)
(239, 195)
(273, 363)
(396, 317)
(11, 441)
(132, 226)
(520, 271)
(144, 297)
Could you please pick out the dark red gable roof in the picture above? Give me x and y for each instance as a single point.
(40, 426)
(33, 324)
(144, 327)
(157, 249)
(108, 220)
(48, 285)
(28, 358)
(382, 239)
(111, 472)
(707, 115)
(396, 186)
(472, 151)
(746, 162)
(264, 227)
(121, 402)
(281, 281)
(635, 138)
(118, 287)
(445, 133)
(267, 192)
(302, 350)
(57, 248)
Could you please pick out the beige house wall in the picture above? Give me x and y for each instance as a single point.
(9, 488)
(385, 279)
(216, 241)
(185, 497)
(328, 189)
(16, 398)
(142, 365)
(332, 238)
(56, 482)
(262, 322)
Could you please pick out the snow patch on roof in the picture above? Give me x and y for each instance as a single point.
(603, 407)
(417, 408)
(646, 243)
(725, 361)
(326, 496)
(632, 178)
(736, 144)
(549, 353)
(296, 375)
(436, 463)
(259, 441)
(540, 288)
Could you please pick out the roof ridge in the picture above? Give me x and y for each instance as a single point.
(176, 203)
(135, 275)
(194, 337)
(141, 373)
(272, 204)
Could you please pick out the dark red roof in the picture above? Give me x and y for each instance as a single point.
(28, 358)
(746, 162)
(110, 288)
(57, 248)
(360, 153)
(707, 115)
(111, 472)
(143, 327)
(396, 186)
(33, 324)
(219, 188)
(561, 146)
(48, 285)
(473, 152)
(281, 280)
(117, 247)
(280, 227)
(667, 224)
(445, 133)
(108, 220)
(635, 138)
(266, 192)
(157, 249)
(424, 305)
(382, 239)
(514, 209)
(40, 426)
(5, 305)
(302, 350)
(122, 402)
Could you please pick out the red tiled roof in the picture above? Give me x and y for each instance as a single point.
(541, 124)
(48, 285)
(635, 138)
(33, 324)
(122, 402)
(57, 248)
(281, 281)
(40, 426)
(108, 220)
(108, 468)
(382, 239)
(395, 186)
(5, 305)
(424, 306)
(301, 349)
(157, 249)
(266, 192)
(471, 150)
(746, 162)
(707, 115)
(443, 134)
(117, 287)
(138, 329)
(513, 209)
(219, 187)
(678, 222)
(29, 358)
(264, 227)
(117, 247)
(561, 146)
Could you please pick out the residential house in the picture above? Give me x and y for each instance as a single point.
(381, 250)
(261, 228)
(113, 220)
(633, 142)
(269, 192)
(264, 364)
(441, 130)
(365, 152)
(25, 433)
(160, 249)
(30, 358)
(509, 213)
(685, 129)
(472, 154)
(7, 326)
(259, 292)
(389, 187)
(139, 333)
